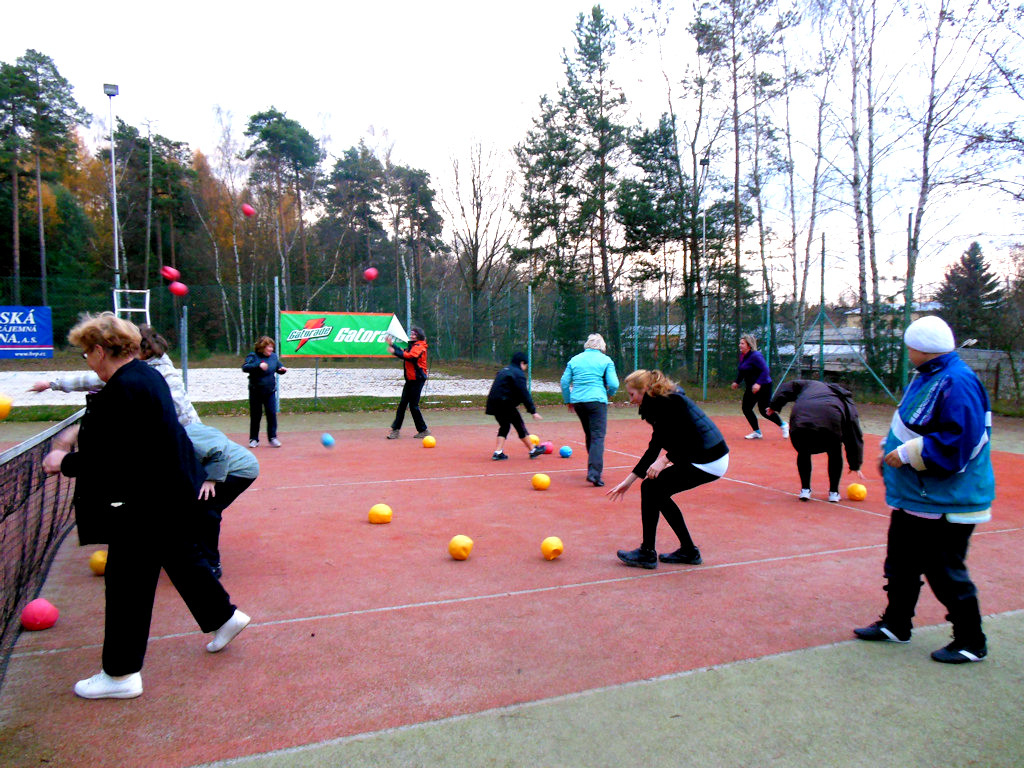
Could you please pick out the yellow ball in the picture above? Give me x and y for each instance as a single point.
(460, 546)
(98, 562)
(429, 441)
(856, 492)
(540, 482)
(5, 406)
(534, 440)
(551, 547)
(380, 513)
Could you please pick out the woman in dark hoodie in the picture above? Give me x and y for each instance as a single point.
(507, 392)
(686, 450)
(823, 420)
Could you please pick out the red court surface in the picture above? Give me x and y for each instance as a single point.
(359, 627)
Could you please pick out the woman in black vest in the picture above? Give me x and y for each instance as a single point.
(686, 450)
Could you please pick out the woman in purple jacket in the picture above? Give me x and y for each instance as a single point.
(753, 374)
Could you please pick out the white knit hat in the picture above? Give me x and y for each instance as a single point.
(929, 334)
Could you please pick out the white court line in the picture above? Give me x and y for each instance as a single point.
(668, 573)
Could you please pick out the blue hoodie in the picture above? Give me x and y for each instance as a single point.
(944, 423)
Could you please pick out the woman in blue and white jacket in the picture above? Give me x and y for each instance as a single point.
(940, 484)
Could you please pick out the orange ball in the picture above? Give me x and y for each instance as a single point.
(460, 546)
(380, 514)
(856, 492)
(551, 547)
(98, 562)
(429, 441)
(540, 482)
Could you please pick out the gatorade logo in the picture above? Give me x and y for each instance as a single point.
(360, 335)
(314, 329)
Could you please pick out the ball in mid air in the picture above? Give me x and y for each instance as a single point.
(248, 210)
(169, 272)
(327, 440)
(370, 273)
(5, 406)
(178, 289)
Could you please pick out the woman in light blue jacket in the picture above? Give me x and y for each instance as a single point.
(589, 380)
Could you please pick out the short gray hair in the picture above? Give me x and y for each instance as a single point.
(595, 341)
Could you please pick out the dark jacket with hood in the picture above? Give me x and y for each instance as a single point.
(509, 389)
(823, 408)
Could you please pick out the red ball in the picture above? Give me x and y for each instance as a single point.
(371, 273)
(549, 447)
(178, 289)
(170, 273)
(248, 210)
(39, 614)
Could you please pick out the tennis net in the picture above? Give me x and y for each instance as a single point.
(35, 516)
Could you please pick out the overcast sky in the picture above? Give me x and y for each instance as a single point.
(436, 77)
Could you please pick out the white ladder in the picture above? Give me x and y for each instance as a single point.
(128, 303)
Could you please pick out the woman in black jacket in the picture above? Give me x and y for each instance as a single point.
(823, 420)
(686, 450)
(137, 485)
(262, 365)
(507, 392)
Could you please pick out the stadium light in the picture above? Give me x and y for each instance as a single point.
(111, 91)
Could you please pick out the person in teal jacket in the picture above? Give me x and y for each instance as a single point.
(939, 482)
(589, 380)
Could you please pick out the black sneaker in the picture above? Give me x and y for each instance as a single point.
(682, 557)
(537, 450)
(882, 631)
(960, 653)
(639, 558)
(499, 456)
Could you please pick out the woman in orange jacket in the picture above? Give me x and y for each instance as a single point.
(415, 358)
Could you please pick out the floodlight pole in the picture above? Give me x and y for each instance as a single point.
(111, 91)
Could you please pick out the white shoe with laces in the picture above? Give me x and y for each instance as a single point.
(253, 443)
(833, 496)
(275, 442)
(785, 430)
(805, 494)
(755, 435)
(103, 686)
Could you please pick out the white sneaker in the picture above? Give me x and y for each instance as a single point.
(833, 496)
(785, 430)
(253, 443)
(755, 435)
(805, 494)
(228, 631)
(275, 442)
(103, 686)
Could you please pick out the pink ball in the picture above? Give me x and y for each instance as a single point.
(371, 273)
(178, 289)
(248, 210)
(39, 614)
(170, 273)
(549, 447)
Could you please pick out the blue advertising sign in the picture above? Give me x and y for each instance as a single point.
(26, 332)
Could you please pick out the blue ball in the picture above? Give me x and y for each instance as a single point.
(565, 451)
(327, 440)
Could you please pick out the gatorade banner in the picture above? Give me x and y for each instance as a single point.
(338, 334)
